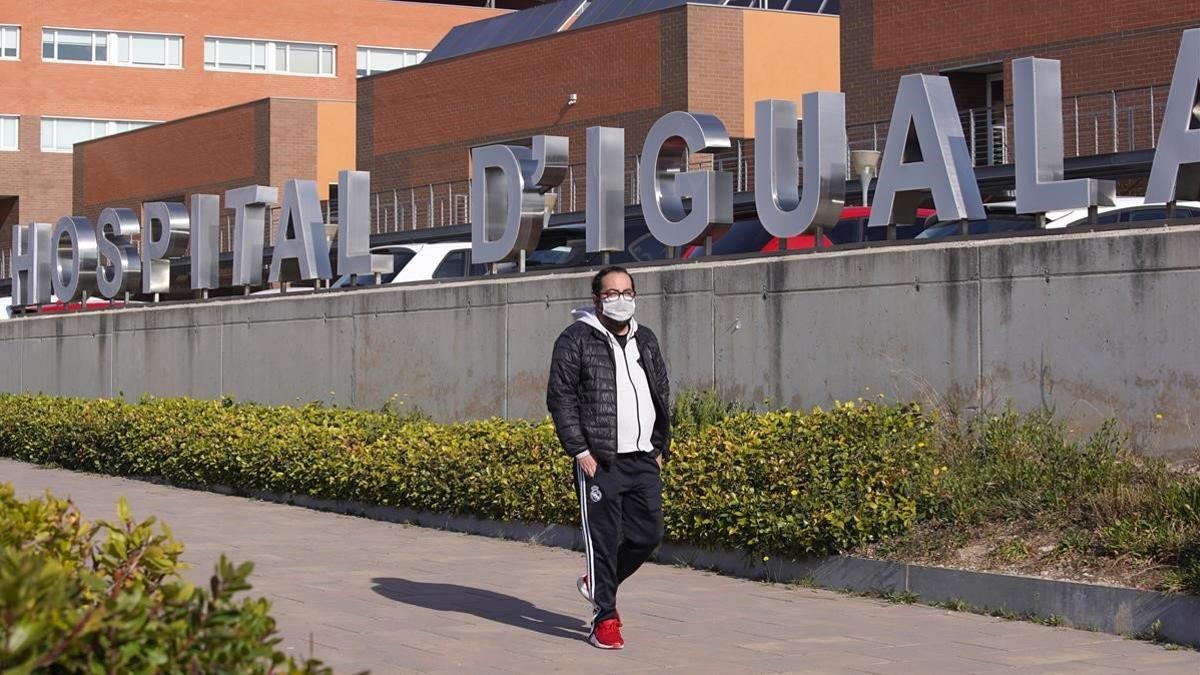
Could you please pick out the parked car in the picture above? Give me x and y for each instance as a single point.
(1003, 217)
(57, 307)
(747, 236)
(566, 246)
(852, 228)
(421, 262)
(1127, 210)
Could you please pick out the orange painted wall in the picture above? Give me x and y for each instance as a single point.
(335, 142)
(786, 55)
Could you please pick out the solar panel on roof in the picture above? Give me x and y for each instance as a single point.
(548, 19)
(603, 11)
(503, 30)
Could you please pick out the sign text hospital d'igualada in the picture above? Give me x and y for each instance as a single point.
(75, 257)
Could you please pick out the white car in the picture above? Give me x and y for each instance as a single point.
(412, 262)
(1127, 210)
(421, 262)
(1003, 217)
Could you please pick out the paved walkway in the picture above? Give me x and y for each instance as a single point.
(394, 598)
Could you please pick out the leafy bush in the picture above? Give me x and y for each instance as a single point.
(777, 482)
(801, 484)
(70, 602)
(694, 410)
(1099, 498)
(774, 482)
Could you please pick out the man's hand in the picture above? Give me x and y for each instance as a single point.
(588, 464)
(659, 460)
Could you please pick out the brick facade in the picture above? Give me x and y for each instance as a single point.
(417, 126)
(1103, 46)
(265, 142)
(37, 185)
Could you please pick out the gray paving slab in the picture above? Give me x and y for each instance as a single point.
(364, 594)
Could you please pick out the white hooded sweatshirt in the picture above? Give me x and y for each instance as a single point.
(635, 407)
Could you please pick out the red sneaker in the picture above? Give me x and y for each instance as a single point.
(607, 635)
(581, 585)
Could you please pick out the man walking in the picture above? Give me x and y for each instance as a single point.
(608, 394)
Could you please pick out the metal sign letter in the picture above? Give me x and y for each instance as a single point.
(120, 266)
(31, 264)
(605, 214)
(354, 227)
(1037, 100)
(1175, 173)
(74, 263)
(205, 242)
(165, 232)
(664, 181)
(937, 160)
(249, 206)
(301, 250)
(783, 209)
(509, 205)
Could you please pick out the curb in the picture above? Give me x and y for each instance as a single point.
(1106, 609)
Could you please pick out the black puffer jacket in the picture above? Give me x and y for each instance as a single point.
(582, 392)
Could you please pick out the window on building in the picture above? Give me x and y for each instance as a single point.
(268, 56)
(150, 50)
(141, 49)
(74, 45)
(60, 134)
(9, 125)
(10, 42)
(373, 60)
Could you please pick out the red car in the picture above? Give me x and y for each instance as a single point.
(748, 236)
(56, 307)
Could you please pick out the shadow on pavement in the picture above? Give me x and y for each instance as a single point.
(481, 603)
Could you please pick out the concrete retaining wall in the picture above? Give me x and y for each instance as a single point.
(1095, 325)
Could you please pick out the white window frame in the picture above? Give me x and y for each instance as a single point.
(269, 45)
(17, 120)
(17, 29)
(107, 121)
(112, 46)
(369, 48)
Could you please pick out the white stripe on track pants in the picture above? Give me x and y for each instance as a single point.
(621, 510)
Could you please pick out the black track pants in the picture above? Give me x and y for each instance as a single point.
(621, 507)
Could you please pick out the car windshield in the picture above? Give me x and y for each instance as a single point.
(988, 226)
(1137, 214)
(551, 256)
(400, 258)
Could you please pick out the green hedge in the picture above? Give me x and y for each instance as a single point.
(889, 480)
(778, 482)
(73, 601)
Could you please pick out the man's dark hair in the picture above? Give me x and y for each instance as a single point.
(598, 280)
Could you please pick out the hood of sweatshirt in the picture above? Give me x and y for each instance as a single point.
(587, 314)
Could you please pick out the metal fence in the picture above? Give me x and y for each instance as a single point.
(1118, 120)
(449, 203)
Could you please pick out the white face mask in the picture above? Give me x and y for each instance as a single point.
(618, 309)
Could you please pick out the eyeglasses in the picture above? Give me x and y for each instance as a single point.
(610, 296)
